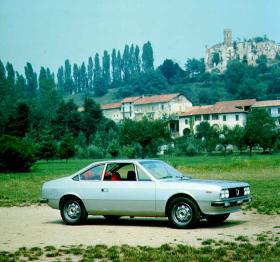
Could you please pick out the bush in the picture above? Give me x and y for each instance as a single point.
(94, 152)
(15, 154)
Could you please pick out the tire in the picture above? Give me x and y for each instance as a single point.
(73, 212)
(183, 213)
(216, 219)
(111, 218)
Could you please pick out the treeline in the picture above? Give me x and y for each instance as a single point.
(109, 71)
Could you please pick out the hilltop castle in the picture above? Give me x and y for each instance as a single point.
(218, 56)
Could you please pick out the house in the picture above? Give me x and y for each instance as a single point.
(153, 107)
(112, 111)
(217, 115)
(272, 107)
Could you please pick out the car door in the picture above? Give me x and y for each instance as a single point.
(126, 196)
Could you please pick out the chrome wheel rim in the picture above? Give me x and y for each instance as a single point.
(72, 210)
(182, 213)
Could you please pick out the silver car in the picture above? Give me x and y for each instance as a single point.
(147, 188)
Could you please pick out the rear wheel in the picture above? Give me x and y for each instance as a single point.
(216, 219)
(183, 213)
(73, 212)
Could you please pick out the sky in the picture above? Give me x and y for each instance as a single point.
(46, 33)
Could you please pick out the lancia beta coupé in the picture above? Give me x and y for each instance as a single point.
(147, 188)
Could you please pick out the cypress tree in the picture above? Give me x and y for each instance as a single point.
(68, 84)
(106, 69)
(31, 80)
(90, 74)
(125, 64)
(147, 57)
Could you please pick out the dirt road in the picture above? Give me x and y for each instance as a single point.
(41, 226)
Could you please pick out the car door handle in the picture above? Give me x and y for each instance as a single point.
(104, 190)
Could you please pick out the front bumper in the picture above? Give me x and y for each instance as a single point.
(231, 202)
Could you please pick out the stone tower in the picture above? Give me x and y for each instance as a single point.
(227, 37)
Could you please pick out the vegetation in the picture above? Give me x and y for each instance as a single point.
(210, 250)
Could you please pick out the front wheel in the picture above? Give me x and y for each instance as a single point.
(183, 213)
(73, 212)
(216, 219)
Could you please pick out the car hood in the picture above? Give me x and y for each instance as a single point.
(220, 183)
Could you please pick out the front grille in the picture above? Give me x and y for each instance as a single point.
(236, 192)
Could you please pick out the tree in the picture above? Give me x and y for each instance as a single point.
(137, 60)
(150, 134)
(147, 57)
(125, 64)
(76, 78)
(31, 81)
(83, 79)
(195, 67)
(60, 79)
(67, 147)
(2, 71)
(171, 71)
(68, 118)
(48, 94)
(237, 137)
(15, 154)
(47, 146)
(262, 63)
(10, 73)
(19, 122)
(208, 134)
(113, 148)
(90, 74)
(259, 129)
(106, 69)
(99, 88)
(225, 137)
(68, 82)
(91, 117)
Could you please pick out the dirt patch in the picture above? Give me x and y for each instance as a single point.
(41, 226)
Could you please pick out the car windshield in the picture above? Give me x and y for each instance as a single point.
(161, 170)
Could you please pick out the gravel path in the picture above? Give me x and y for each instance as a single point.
(41, 226)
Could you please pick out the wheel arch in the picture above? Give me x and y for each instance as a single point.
(177, 195)
(70, 196)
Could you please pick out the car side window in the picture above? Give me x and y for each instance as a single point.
(142, 176)
(94, 173)
(120, 172)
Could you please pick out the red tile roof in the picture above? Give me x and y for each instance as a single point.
(244, 102)
(211, 109)
(267, 103)
(156, 99)
(111, 106)
(130, 99)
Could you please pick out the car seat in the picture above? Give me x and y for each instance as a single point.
(131, 176)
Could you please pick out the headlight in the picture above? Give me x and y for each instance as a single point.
(224, 193)
(246, 191)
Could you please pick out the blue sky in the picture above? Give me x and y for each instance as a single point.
(47, 32)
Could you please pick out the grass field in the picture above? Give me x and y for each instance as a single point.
(211, 251)
(261, 171)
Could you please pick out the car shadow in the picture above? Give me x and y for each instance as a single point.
(147, 222)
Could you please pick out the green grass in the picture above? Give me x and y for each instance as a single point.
(261, 171)
(210, 252)
(25, 188)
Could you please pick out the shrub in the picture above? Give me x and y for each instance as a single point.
(15, 154)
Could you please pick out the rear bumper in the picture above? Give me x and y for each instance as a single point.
(44, 201)
(231, 202)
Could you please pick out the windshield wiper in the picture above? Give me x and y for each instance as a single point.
(165, 177)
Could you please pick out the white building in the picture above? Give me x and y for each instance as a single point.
(272, 107)
(229, 113)
(153, 107)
